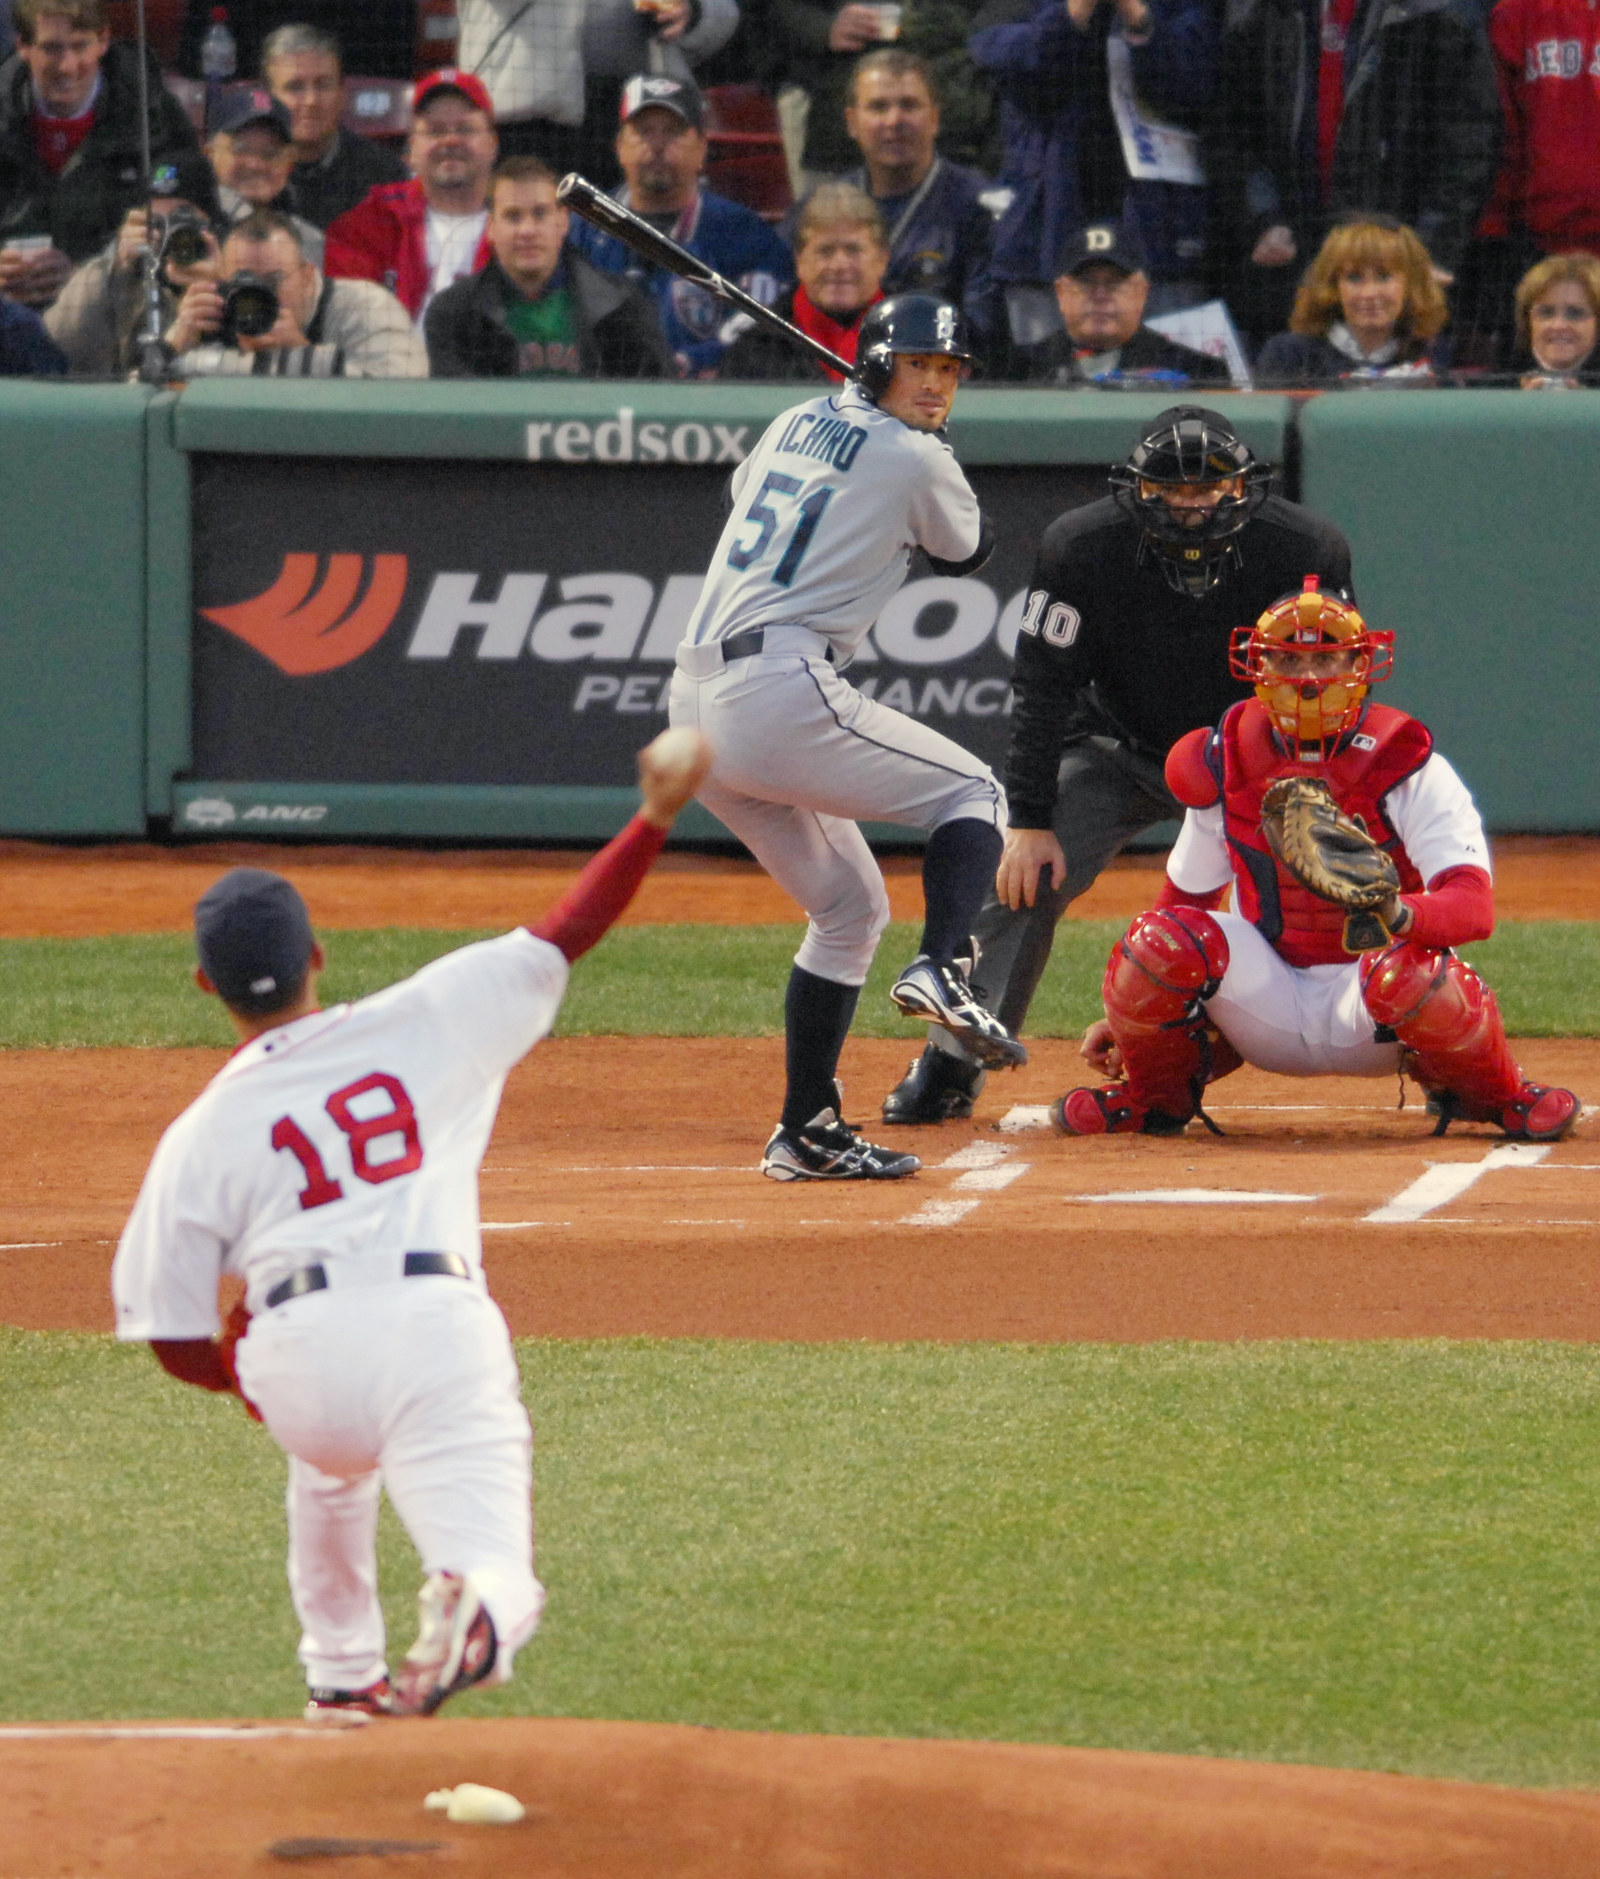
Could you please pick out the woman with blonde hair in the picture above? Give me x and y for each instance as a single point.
(1369, 307)
(1558, 324)
(841, 254)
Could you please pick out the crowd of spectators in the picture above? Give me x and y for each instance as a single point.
(1117, 192)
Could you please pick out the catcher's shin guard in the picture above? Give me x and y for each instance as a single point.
(1157, 980)
(1446, 1020)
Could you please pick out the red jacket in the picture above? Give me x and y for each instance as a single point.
(1547, 53)
(385, 239)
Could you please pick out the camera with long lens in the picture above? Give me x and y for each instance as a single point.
(181, 237)
(250, 307)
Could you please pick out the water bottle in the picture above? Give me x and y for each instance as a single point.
(219, 51)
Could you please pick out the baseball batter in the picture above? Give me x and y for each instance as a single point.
(826, 511)
(1190, 992)
(332, 1165)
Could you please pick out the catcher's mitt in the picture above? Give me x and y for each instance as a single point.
(1332, 854)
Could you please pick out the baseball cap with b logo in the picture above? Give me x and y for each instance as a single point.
(1101, 244)
(669, 94)
(448, 78)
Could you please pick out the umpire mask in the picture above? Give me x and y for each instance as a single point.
(1191, 485)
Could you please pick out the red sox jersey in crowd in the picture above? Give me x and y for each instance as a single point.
(1547, 53)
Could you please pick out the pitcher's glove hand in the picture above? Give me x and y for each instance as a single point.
(1332, 854)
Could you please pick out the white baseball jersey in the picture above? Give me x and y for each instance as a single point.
(345, 1139)
(1431, 811)
(826, 511)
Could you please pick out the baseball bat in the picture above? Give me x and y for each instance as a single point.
(594, 205)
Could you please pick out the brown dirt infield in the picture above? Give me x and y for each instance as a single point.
(622, 1191)
(134, 888)
(622, 1198)
(647, 1801)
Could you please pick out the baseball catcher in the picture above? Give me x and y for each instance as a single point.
(1357, 861)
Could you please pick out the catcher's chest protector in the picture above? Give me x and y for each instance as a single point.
(1244, 758)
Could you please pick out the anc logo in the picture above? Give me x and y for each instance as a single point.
(305, 628)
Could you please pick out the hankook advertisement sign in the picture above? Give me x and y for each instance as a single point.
(444, 622)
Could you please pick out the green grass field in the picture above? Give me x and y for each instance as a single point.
(1365, 1555)
(685, 981)
(1376, 1556)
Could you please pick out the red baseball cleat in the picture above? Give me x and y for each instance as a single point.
(1110, 1110)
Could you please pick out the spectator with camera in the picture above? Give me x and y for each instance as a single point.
(419, 237)
(71, 161)
(252, 157)
(1102, 288)
(97, 319)
(263, 310)
(1369, 309)
(940, 234)
(334, 169)
(539, 309)
(661, 146)
(841, 256)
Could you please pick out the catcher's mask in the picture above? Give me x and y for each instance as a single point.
(1187, 454)
(1311, 658)
(914, 323)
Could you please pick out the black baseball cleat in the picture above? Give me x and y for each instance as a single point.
(937, 1087)
(827, 1149)
(939, 992)
(349, 1706)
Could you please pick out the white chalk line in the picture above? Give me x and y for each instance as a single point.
(1510, 1226)
(162, 1732)
(1189, 1197)
(1447, 1181)
(940, 1213)
(25, 1246)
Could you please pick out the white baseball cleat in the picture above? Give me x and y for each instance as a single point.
(827, 1149)
(455, 1648)
(940, 993)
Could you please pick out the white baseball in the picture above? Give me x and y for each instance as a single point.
(482, 1806)
(678, 751)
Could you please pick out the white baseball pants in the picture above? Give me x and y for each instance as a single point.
(1297, 1021)
(801, 757)
(412, 1385)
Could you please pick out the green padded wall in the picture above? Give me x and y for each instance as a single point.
(1475, 519)
(72, 572)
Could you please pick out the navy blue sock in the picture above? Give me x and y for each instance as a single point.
(958, 867)
(816, 1019)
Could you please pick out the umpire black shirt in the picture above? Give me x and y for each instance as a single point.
(1107, 647)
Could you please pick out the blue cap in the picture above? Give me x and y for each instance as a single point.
(236, 110)
(254, 937)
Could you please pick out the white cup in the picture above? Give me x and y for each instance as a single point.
(889, 18)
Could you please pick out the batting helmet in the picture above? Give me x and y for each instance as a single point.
(907, 323)
(1188, 447)
(1311, 658)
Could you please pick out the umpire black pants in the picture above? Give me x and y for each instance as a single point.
(1106, 795)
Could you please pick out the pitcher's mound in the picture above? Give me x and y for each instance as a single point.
(650, 1801)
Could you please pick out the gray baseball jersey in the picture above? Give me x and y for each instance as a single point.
(826, 511)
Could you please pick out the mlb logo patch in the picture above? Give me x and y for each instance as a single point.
(1361, 741)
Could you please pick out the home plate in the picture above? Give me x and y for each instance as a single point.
(1188, 1197)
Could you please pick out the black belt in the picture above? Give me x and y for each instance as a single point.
(747, 644)
(416, 1265)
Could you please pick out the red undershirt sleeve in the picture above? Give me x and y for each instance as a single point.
(596, 899)
(1457, 908)
(196, 1360)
